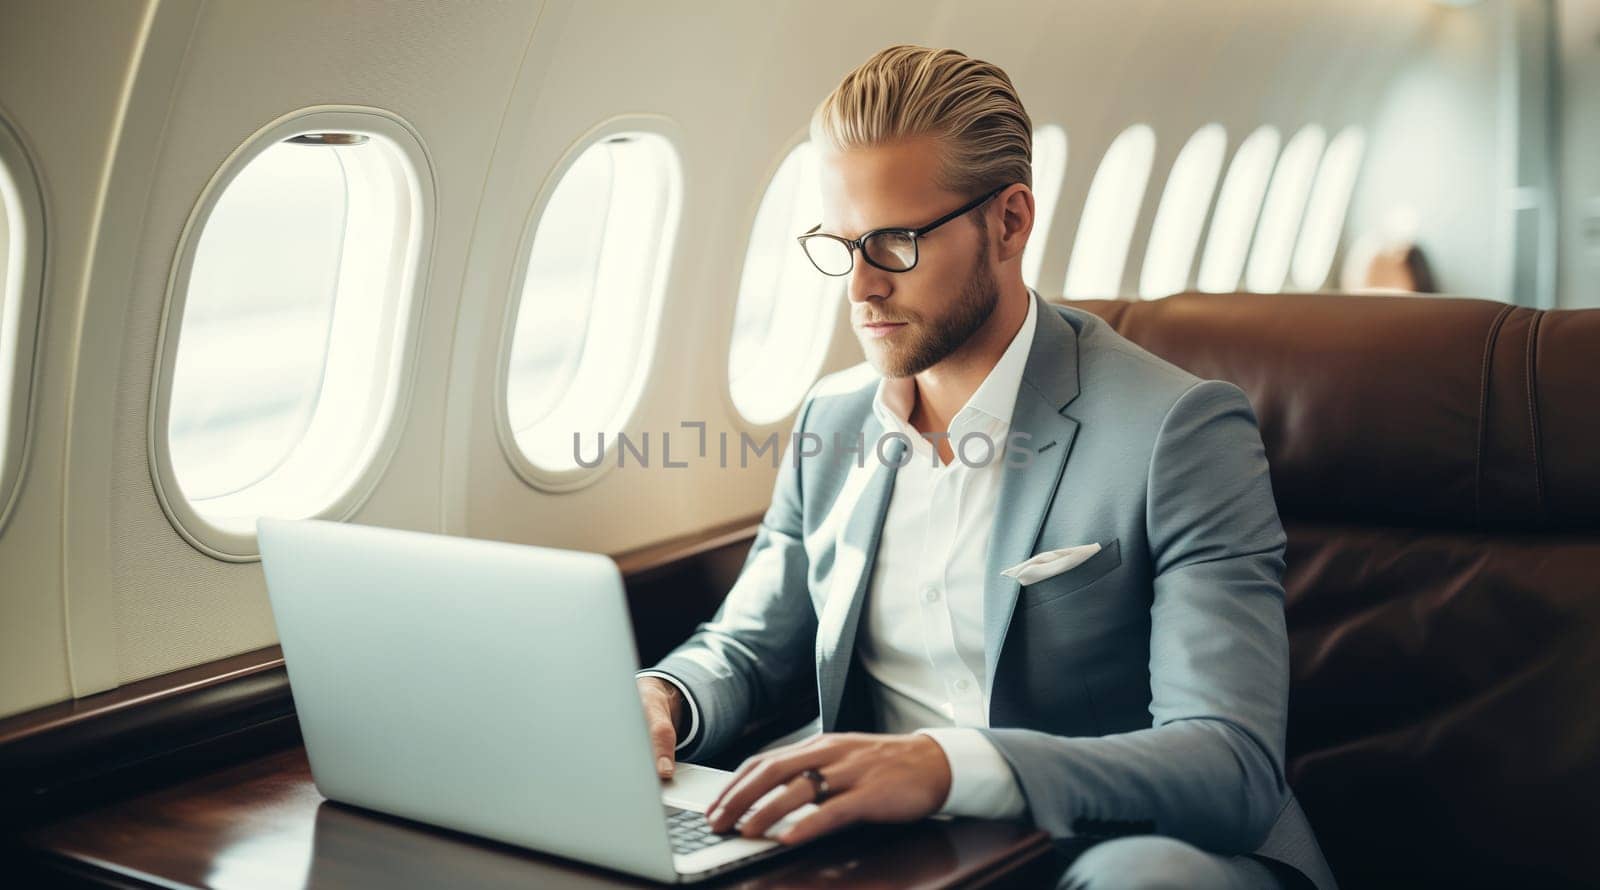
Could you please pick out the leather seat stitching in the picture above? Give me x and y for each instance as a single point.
(1533, 411)
(1483, 409)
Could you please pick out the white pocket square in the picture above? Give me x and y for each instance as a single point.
(1051, 562)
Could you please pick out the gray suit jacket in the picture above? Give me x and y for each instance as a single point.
(1144, 690)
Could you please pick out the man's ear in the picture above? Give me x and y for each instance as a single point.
(1016, 220)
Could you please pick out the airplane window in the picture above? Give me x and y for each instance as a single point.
(10, 302)
(1330, 198)
(294, 319)
(1109, 214)
(21, 277)
(1049, 169)
(786, 312)
(14, 371)
(1283, 210)
(591, 291)
(1238, 204)
(1182, 213)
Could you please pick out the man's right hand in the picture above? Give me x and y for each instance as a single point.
(664, 708)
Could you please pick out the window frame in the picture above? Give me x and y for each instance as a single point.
(25, 213)
(558, 480)
(225, 544)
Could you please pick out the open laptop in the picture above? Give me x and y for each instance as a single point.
(487, 688)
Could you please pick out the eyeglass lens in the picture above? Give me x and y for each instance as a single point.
(895, 251)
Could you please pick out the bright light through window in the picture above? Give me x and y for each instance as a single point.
(294, 322)
(1181, 217)
(11, 253)
(1238, 205)
(1049, 170)
(585, 319)
(786, 309)
(1330, 198)
(1106, 228)
(1285, 206)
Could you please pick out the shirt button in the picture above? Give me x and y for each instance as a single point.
(930, 594)
(961, 685)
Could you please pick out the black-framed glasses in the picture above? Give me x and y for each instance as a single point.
(891, 249)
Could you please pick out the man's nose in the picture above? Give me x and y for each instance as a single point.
(868, 282)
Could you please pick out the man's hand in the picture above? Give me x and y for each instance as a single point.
(871, 778)
(663, 714)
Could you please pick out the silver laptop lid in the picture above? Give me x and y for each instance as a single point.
(480, 686)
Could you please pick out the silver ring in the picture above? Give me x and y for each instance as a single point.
(819, 783)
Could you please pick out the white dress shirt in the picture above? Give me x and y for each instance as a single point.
(923, 645)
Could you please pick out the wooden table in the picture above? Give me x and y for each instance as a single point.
(263, 824)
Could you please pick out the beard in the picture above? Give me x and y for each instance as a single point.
(939, 337)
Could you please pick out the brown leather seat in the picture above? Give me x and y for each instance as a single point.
(1436, 463)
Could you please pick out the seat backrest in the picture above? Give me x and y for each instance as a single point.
(1436, 464)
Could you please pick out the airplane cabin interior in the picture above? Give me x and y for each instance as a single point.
(395, 394)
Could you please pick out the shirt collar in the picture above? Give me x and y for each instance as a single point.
(995, 397)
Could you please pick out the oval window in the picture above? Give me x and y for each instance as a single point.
(585, 314)
(1330, 199)
(1049, 172)
(295, 308)
(1238, 205)
(1181, 216)
(1100, 252)
(1284, 208)
(21, 278)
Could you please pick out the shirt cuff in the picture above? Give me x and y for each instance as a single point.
(981, 782)
(694, 710)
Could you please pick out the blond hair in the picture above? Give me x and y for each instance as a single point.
(967, 105)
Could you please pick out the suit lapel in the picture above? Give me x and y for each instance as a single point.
(1043, 437)
(857, 550)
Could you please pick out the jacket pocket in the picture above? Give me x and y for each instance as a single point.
(1076, 578)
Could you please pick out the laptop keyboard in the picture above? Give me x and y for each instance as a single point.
(689, 831)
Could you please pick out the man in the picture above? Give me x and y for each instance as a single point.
(1126, 689)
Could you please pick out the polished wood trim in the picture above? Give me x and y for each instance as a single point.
(264, 822)
(141, 693)
(126, 740)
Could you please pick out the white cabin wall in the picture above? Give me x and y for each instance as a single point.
(1098, 67)
(63, 79)
(729, 140)
(139, 600)
(444, 69)
(1107, 66)
(499, 93)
